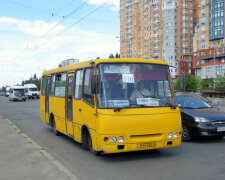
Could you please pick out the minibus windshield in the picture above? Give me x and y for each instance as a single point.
(18, 92)
(33, 89)
(127, 85)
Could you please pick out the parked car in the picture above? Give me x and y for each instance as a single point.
(199, 118)
(209, 101)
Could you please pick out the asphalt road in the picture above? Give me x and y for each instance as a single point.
(202, 159)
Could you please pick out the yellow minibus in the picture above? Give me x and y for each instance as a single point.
(112, 105)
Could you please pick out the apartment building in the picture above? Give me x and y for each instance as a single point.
(158, 29)
(208, 42)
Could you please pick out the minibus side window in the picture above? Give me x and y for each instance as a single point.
(78, 84)
(60, 85)
(87, 95)
(43, 86)
(52, 90)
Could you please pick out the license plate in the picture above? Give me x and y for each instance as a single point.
(220, 129)
(146, 146)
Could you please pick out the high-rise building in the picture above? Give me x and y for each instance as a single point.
(158, 29)
(208, 48)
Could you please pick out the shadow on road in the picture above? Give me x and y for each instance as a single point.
(205, 140)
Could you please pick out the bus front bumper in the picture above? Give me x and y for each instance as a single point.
(126, 147)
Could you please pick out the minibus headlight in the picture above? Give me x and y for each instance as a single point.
(170, 135)
(121, 139)
(175, 135)
(113, 139)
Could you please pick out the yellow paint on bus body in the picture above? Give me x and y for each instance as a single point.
(142, 128)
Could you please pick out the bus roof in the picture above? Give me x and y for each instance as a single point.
(97, 61)
(30, 86)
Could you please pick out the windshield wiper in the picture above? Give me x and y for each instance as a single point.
(169, 103)
(119, 108)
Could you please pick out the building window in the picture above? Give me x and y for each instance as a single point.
(203, 53)
(203, 44)
(208, 71)
(218, 70)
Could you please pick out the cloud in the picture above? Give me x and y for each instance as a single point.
(113, 3)
(23, 53)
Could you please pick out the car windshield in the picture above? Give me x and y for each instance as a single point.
(134, 85)
(33, 89)
(192, 102)
(19, 91)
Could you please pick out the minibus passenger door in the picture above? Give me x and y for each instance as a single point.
(69, 105)
(47, 90)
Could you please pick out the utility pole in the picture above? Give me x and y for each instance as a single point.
(214, 59)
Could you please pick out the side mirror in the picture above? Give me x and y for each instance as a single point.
(93, 84)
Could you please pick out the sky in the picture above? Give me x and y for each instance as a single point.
(36, 35)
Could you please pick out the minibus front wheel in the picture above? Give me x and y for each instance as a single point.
(87, 142)
(55, 131)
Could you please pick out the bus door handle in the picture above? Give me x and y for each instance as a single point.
(79, 110)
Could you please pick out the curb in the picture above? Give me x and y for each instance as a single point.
(43, 152)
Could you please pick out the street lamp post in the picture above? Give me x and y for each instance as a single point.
(214, 53)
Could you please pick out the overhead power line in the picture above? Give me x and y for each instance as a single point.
(64, 17)
(58, 11)
(73, 24)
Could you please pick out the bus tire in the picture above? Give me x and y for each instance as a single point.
(85, 137)
(55, 131)
(186, 136)
(96, 153)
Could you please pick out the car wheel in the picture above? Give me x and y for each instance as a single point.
(186, 136)
(55, 131)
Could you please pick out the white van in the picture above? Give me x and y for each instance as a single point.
(7, 91)
(17, 93)
(31, 91)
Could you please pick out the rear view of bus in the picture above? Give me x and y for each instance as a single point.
(136, 107)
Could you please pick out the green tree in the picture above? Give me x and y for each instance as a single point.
(111, 56)
(33, 80)
(117, 55)
(220, 82)
(191, 83)
(206, 83)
